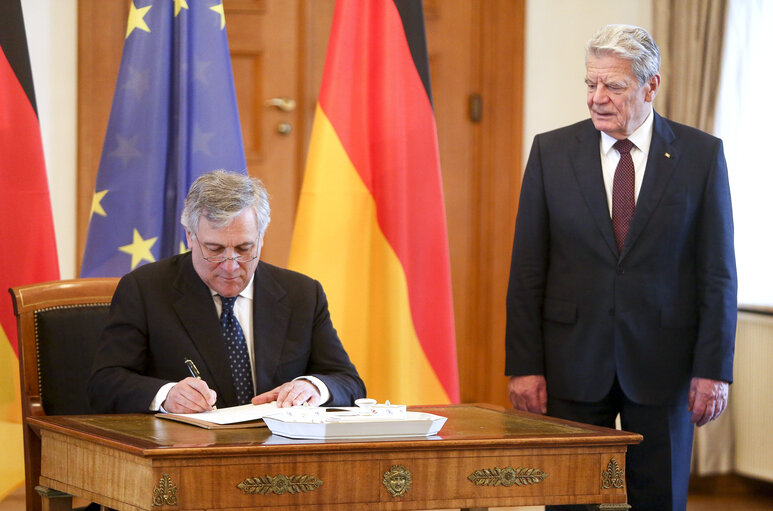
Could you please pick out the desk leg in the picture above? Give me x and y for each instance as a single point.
(614, 507)
(54, 500)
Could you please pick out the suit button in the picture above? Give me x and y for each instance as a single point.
(612, 311)
(620, 270)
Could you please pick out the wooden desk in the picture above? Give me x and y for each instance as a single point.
(485, 456)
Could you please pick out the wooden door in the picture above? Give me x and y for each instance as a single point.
(263, 36)
(476, 62)
(278, 49)
(453, 46)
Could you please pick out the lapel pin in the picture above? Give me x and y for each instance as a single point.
(668, 155)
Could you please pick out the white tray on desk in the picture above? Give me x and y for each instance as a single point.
(339, 425)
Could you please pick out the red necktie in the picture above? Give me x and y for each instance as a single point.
(623, 192)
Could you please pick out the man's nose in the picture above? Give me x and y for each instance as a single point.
(600, 95)
(230, 263)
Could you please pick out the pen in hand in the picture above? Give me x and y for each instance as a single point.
(195, 372)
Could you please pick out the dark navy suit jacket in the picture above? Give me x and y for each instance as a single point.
(163, 312)
(655, 314)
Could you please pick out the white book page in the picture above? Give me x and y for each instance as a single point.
(234, 414)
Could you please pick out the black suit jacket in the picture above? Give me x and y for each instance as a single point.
(163, 312)
(655, 314)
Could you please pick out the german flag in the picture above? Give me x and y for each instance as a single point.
(26, 225)
(371, 220)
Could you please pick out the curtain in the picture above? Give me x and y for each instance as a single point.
(690, 35)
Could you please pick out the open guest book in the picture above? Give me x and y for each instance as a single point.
(368, 419)
(243, 416)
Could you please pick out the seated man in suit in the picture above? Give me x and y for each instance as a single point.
(256, 333)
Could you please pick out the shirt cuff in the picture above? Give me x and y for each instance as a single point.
(155, 405)
(324, 393)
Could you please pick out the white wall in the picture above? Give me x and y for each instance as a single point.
(52, 38)
(556, 33)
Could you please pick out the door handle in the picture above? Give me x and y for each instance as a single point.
(284, 128)
(284, 103)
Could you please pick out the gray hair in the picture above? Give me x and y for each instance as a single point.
(221, 196)
(628, 42)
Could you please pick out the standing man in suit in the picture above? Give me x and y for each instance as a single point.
(622, 291)
(251, 329)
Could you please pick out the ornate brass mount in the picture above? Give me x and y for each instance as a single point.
(612, 477)
(279, 484)
(397, 480)
(165, 493)
(507, 476)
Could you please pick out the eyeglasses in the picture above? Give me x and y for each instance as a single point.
(221, 258)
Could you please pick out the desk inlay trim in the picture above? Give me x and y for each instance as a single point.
(165, 494)
(613, 476)
(279, 484)
(397, 480)
(476, 426)
(507, 476)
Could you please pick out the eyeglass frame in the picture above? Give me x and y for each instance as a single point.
(210, 259)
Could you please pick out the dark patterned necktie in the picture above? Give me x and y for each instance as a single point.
(236, 349)
(623, 192)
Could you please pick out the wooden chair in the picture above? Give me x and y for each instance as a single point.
(58, 326)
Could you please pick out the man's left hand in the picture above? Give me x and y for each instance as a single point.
(707, 400)
(292, 393)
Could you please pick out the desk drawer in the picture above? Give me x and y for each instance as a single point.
(496, 479)
(284, 483)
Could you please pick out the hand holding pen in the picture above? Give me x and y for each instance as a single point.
(191, 395)
(196, 374)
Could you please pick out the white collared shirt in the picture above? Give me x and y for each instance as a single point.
(641, 138)
(243, 310)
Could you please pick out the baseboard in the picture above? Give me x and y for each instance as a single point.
(730, 484)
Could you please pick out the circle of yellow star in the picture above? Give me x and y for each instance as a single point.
(179, 4)
(139, 249)
(96, 204)
(136, 19)
(221, 11)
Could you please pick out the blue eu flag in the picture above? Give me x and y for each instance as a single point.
(174, 118)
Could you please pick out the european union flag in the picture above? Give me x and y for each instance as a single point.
(174, 117)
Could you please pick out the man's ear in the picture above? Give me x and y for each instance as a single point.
(654, 87)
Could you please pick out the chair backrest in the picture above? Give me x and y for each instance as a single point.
(58, 325)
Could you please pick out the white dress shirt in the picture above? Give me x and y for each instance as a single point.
(641, 139)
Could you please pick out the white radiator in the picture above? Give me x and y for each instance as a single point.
(751, 396)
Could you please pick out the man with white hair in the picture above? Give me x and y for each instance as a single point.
(254, 332)
(622, 291)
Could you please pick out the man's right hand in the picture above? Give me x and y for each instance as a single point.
(191, 395)
(528, 393)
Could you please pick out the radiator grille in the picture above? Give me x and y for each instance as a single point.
(751, 398)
